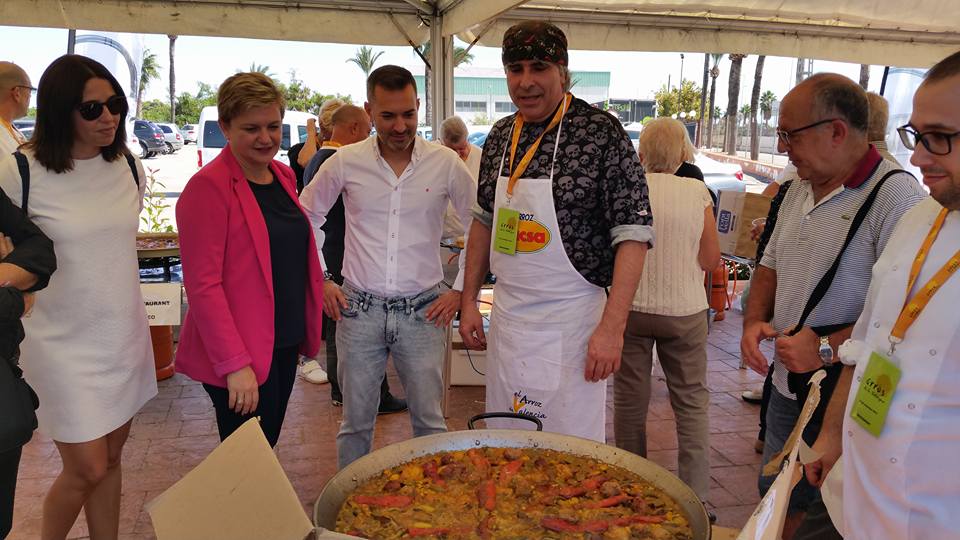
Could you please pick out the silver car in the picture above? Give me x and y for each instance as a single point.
(189, 132)
(171, 136)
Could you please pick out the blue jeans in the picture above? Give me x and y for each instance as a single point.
(782, 416)
(372, 328)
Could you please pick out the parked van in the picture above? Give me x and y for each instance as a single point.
(210, 140)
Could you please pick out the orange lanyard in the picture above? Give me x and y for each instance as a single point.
(528, 156)
(17, 136)
(914, 306)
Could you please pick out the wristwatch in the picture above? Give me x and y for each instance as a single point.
(327, 275)
(826, 351)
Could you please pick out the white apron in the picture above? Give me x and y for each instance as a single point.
(544, 313)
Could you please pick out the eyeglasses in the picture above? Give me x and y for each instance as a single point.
(30, 88)
(937, 143)
(784, 135)
(91, 110)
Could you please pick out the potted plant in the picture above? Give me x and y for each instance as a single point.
(157, 239)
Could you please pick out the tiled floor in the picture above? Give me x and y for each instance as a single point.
(176, 430)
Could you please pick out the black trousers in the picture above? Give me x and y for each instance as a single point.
(274, 395)
(9, 463)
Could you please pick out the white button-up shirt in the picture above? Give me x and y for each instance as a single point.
(394, 224)
(906, 483)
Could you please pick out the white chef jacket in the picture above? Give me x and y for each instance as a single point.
(905, 484)
(391, 246)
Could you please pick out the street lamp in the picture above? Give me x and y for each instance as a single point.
(681, 70)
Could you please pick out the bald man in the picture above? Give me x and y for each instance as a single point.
(15, 90)
(823, 129)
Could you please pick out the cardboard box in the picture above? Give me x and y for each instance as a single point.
(736, 212)
(238, 492)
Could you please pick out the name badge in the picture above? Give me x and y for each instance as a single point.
(877, 387)
(505, 237)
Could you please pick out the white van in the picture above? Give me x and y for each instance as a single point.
(210, 140)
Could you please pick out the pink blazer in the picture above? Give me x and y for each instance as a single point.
(225, 253)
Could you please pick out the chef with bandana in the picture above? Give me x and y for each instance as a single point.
(563, 221)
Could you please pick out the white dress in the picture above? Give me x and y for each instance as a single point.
(87, 351)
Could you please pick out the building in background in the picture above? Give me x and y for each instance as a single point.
(481, 96)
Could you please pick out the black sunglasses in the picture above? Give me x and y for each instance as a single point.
(91, 110)
(937, 143)
(785, 135)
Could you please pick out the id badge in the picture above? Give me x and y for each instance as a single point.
(877, 388)
(507, 226)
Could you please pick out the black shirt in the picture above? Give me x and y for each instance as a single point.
(598, 182)
(289, 235)
(293, 154)
(689, 170)
(335, 227)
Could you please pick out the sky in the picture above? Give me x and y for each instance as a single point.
(324, 68)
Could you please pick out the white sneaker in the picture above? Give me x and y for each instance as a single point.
(311, 372)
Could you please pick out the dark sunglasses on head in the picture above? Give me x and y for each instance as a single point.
(91, 110)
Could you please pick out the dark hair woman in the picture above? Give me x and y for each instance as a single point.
(87, 352)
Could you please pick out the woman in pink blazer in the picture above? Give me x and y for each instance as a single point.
(250, 266)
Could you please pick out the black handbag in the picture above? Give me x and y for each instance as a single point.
(798, 383)
(18, 405)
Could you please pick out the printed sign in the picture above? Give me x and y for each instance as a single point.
(162, 301)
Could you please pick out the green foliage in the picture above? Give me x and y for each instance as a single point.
(646, 120)
(260, 68)
(767, 100)
(154, 204)
(365, 59)
(672, 101)
(300, 97)
(156, 111)
(481, 119)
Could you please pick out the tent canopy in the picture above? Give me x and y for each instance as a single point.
(885, 32)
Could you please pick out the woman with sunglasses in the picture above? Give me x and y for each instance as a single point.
(87, 352)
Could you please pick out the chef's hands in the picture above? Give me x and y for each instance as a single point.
(244, 391)
(333, 300)
(443, 309)
(800, 353)
(603, 353)
(471, 326)
(753, 333)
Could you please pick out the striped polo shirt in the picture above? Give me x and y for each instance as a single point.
(808, 238)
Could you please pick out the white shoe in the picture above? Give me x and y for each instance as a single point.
(311, 372)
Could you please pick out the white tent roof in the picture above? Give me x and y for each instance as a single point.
(913, 33)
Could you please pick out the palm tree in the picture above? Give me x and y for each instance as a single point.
(261, 68)
(754, 107)
(703, 99)
(149, 70)
(743, 115)
(173, 81)
(864, 75)
(733, 98)
(714, 73)
(365, 59)
(766, 105)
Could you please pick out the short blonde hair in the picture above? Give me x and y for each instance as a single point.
(244, 91)
(329, 107)
(663, 145)
(877, 121)
(453, 130)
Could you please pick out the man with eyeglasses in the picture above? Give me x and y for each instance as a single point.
(823, 129)
(15, 93)
(899, 478)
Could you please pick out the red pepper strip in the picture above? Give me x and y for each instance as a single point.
(483, 529)
(593, 483)
(432, 472)
(629, 520)
(559, 525)
(478, 459)
(572, 491)
(487, 494)
(608, 502)
(427, 531)
(595, 526)
(386, 501)
(508, 471)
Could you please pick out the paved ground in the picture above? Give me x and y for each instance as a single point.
(176, 430)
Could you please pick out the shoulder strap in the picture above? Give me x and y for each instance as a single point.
(821, 289)
(133, 168)
(24, 168)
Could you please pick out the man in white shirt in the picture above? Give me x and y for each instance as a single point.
(396, 188)
(900, 477)
(453, 135)
(15, 90)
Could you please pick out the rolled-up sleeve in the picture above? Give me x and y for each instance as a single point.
(626, 196)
